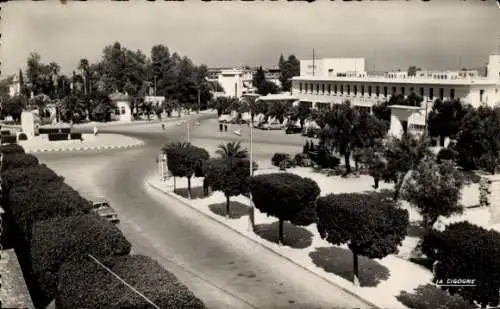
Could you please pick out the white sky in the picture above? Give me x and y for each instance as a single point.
(389, 34)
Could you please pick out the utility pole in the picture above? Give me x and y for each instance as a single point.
(198, 109)
(314, 63)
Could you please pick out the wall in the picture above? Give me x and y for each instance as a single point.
(323, 66)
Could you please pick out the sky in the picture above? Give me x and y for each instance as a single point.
(438, 34)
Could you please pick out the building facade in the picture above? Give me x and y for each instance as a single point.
(336, 80)
(235, 82)
(123, 112)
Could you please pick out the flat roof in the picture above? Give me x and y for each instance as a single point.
(407, 80)
(277, 97)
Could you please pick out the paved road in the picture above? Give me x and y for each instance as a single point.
(221, 267)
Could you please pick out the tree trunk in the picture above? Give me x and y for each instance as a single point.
(347, 162)
(376, 182)
(280, 232)
(228, 204)
(356, 164)
(189, 187)
(397, 187)
(175, 182)
(355, 270)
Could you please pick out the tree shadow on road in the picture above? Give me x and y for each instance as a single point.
(237, 209)
(196, 192)
(339, 262)
(293, 236)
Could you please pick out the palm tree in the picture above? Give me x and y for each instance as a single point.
(232, 150)
(171, 150)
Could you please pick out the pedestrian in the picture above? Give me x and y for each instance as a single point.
(220, 126)
(95, 131)
(225, 128)
(163, 126)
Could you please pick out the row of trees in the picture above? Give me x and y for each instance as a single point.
(60, 242)
(86, 91)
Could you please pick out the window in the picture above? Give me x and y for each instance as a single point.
(452, 94)
(123, 110)
(385, 91)
(404, 124)
(117, 111)
(355, 90)
(341, 89)
(306, 86)
(431, 94)
(377, 91)
(370, 91)
(300, 87)
(348, 89)
(323, 88)
(335, 88)
(403, 90)
(362, 89)
(317, 88)
(329, 89)
(441, 93)
(481, 95)
(393, 90)
(312, 88)
(422, 92)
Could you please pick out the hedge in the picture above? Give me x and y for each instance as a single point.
(18, 160)
(279, 157)
(58, 136)
(29, 177)
(53, 130)
(58, 240)
(22, 137)
(8, 139)
(430, 297)
(11, 148)
(44, 202)
(4, 132)
(76, 136)
(86, 285)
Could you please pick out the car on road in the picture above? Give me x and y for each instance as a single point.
(103, 209)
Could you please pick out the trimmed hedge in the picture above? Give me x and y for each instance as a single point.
(5, 132)
(75, 136)
(83, 285)
(279, 157)
(52, 130)
(430, 297)
(8, 139)
(29, 177)
(11, 148)
(44, 202)
(56, 241)
(58, 136)
(22, 137)
(18, 160)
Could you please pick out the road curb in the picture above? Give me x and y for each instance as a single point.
(221, 221)
(89, 148)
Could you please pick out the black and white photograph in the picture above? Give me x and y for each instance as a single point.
(250, 154)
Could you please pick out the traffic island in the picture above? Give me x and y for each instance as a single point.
(382, 280)
(88, 142)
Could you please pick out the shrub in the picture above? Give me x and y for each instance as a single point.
(48, 131)
(66, 130)
(5, 132)
(18, 160)
(44, 202)
(300, 159)
(11, 148)
(430, 297)
(87, 285)
(28, 177)
(22, 137)
(279, 157)
(446, 154)
(58, 136)
(8, 139)
(56, 241)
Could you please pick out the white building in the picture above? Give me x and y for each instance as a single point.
(154, 100)
(336, 80)
(234, 82)
(123, 111)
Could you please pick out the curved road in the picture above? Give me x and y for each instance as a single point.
(221, 267)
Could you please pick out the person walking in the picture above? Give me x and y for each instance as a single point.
(96, 131)
(163, 126)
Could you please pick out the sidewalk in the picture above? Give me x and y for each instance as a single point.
(90, 142)
(381, 280)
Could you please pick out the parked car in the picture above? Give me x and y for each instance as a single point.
(103, 209)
